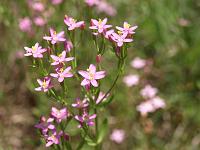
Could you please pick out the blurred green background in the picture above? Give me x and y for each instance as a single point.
(168, 34)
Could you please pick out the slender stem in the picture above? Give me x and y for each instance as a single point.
(114, 83)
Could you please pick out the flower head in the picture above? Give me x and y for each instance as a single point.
(54, 138)
(158, 102)
(85, 118)
(138, 63)
(127, 29)
(117, 136)
(25, 24)
(104, 6)
(55, 37)
(120, 38)
(60, 59)
(35, 50)
(56, 2)
(151, 105)
(45, 84)
(68, 45)
(145, 107)
(45, 125)
(148, 91)
(59, 115)
(61, 73)
(72, 23)
(91, 76)
(92, 2)
(39, 21)
(80, 104)
(131, 80)
(37, 6)
(99, 25)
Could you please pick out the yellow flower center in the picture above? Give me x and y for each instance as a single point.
(61, 70)
(34, 48)
(120, 32)
(100, 22)
(127, 26)
(91, 75)
(60, 55)
(44, 84)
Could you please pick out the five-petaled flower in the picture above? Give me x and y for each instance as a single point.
(100, 26)
(80, 103)
(55, 37)
(148, 91)
(45, 125)
(45, 84)
(59, 115)
(85, 118)
(36, 51)
(91, 76)
(54, 138)
(61, 73)
(127, 29)
(120, 38)
(73, 24)
(60, 59)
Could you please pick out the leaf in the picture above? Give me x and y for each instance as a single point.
(90, 142)
(103, 131)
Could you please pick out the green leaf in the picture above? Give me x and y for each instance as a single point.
(90, 142)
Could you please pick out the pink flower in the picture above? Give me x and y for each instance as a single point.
(131, 80)
(117, 136)
(37, 6)
(148, 91)
(91, 76)
(61, 74)
(101, 95)
(145, 107)
(59, 115)
(45, 84)
(127, 29)
(73, 24)
(80, 104)
(120, 39)
(138, 63)
(91, 2)
(54, 37)
(100, 26)
(56, 2)
(108, 34)
(60, 59)
(158, 102)
(39, 21)
(105, 7)
(25, 24)
(36, 51)
(54, 138)
(68, 45)
(151, 105)
(85, 118)
(45, 125)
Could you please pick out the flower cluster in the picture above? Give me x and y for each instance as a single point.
(149, 94)
(40, 13)
(102, 6)
(49, 126)
(58, 63)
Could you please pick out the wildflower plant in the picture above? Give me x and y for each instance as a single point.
(57, 62)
